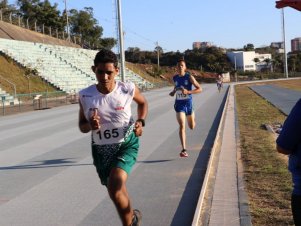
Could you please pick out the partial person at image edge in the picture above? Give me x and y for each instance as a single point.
(289, 143)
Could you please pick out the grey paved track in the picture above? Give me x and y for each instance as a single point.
(283, 99)
(47, 176)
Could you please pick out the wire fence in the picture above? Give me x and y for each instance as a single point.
(40, 27)
(36, 101)
(47, 100)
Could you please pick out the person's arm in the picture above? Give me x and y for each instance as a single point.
(172, 93)
(289, 137)
(282, 150)
(84, 125)
(197, 86)
(142, 110)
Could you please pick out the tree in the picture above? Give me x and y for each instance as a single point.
(42, 12)
(249, 47)
(294, 62)
(84, 25)
(277, 63)
(267, 62)
(3, 4)
(132, 54)
(7, 9)
(108, 43)
(256, 60)
(159, 49)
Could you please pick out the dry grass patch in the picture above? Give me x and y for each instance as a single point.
(13, 73)
(268, 182)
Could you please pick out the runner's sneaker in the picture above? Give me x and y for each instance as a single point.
(136, 218)
(184, 153)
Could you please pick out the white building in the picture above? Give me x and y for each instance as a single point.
(245, 61)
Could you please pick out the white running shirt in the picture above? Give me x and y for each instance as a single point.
(114, 110)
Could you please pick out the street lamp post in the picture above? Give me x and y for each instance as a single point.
(158, 55)
(284, 46)
(235, 68)
(67, 21)
(121, 48)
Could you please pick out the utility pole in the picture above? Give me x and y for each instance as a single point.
(284, 46)
(121, 48)
(67, 20)
(158, 55)
(235, 68)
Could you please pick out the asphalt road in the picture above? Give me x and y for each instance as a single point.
(282, 98)
(47, 176)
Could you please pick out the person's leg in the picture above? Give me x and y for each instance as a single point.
(182, 134)
(190, 115)
(191, 120)
(119, 195)
(296, 209)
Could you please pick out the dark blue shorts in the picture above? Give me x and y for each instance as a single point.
(184, 106)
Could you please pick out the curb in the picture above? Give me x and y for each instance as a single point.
(197, 214)
(244, 211)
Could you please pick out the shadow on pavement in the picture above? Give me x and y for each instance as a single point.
(45, 164)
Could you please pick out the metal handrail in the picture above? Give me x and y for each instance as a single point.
(13, 84)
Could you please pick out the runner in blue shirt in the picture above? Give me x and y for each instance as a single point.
(183, 104)
(289, 143)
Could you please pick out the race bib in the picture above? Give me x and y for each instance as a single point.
(108, 134)
(181, 96)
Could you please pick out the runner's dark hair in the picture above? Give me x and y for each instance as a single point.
(181, 60)
(106, 56)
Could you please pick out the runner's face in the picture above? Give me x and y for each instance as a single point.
(105, 74)
(181, 67)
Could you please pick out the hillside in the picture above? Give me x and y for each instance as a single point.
(10, 31)
(10, 72)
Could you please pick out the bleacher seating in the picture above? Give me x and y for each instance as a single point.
(67, 68)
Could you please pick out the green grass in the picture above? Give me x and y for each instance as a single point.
(268, 182)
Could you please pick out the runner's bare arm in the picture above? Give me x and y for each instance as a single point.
(282, 150)
(142, 110)
(83, 123)
(172, 93)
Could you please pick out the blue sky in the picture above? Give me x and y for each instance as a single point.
(176, 24)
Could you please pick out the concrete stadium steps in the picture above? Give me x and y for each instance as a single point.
(52, 68)
(66, 68)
